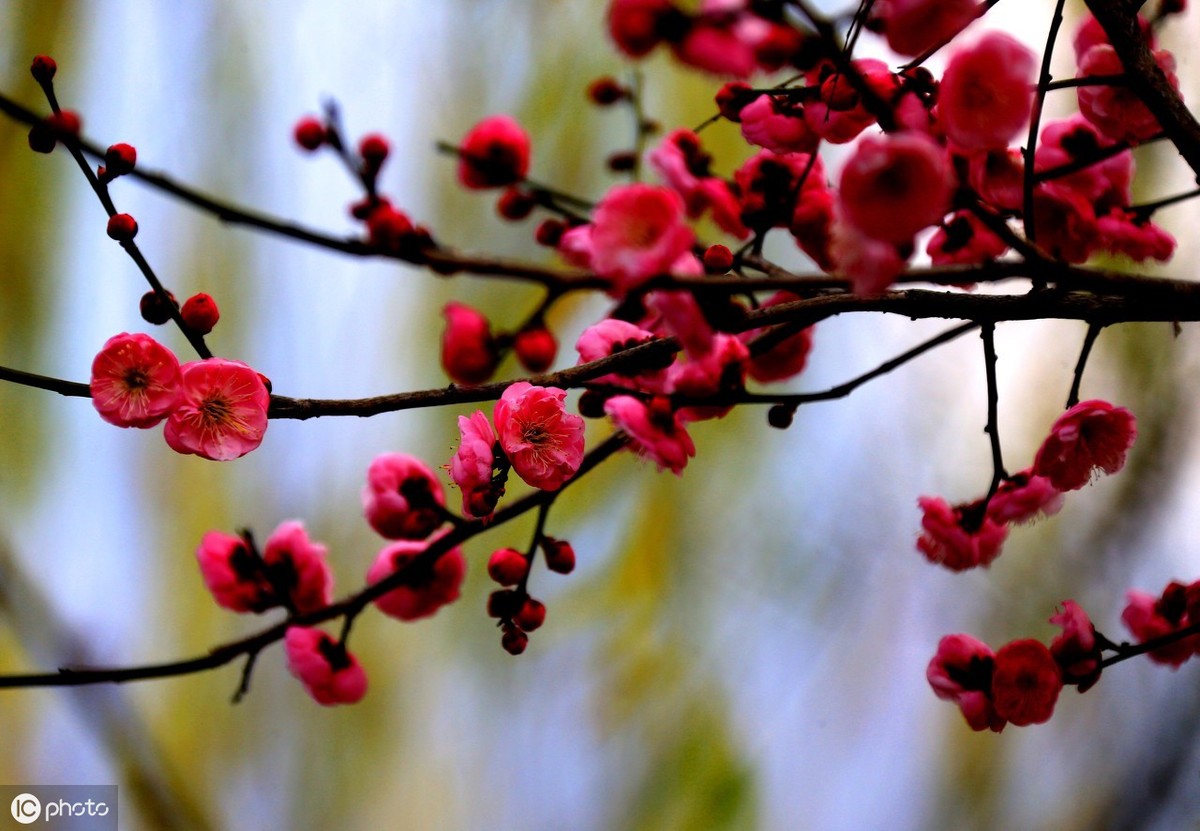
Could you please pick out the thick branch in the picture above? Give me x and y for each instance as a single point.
(1146, 78)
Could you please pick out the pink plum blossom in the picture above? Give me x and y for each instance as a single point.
(680, 315)
(329, 673)
(136, 381)
(654, 431)
(469, 353)
(786, 358)
(721, 369)
(223, 411)
(1089, 437)
(542, 440)
(713, 45)
(291, 571)
(1148, 617)
(1076, 649)
(575, 246)
(298, 566)
(871, 265)
(1120, 232)
(769, 185)
(638, 231)
(634, 25)
(610, 336)
(986, 94)
(1026, 681)
(776, 122)
(998, 176)
(494, 153)
(473, 464)
(913, 26)
(402, 498)
(233, 573)
(961, 671)
(838, 115)
(894, 186)
(1090, 33)
(681, 162)
(955, 538)
(1024, 497)
(1107, 183)
(1065, 222)
(1117, 110)
(427, 587)
(964, 240)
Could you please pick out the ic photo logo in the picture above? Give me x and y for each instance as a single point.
(26, 808)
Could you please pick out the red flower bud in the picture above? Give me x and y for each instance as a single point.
(536, 348)
(374, 150)
(549, 232)
(156, 310)
(64, 124)
(531, 616)
(515, 204)
(718, 259)
(604, 91)
(507, 566)
(514, 640)
(41, 139)
(119, 159)
(732, 97)
(560, 556)
(504, 603)
(200, 313)
(309, 133)
(43, 68)
(122, 227)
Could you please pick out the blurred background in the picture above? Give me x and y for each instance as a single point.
(741, 647)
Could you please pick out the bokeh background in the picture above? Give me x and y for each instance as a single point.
(741, 647)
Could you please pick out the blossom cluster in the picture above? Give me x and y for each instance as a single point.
(943, 136)
(1172, 612)
(1089, 438)
(930, 165)
(534, 435)
(214, 408)
(1019, 683)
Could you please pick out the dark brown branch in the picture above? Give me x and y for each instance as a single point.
(1146, 78)
(350, 606)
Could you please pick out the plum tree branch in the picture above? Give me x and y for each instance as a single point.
(1119, 19)
(349, 606)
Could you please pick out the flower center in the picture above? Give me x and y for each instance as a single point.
(135, 379)
(215, 411)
